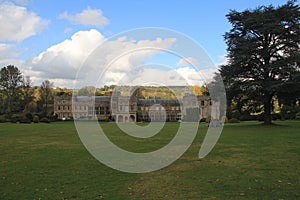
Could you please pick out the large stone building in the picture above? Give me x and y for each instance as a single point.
(131, 109)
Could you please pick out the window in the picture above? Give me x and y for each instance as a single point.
(91, 111)
(97, 109)
(202, 103)
(126, 108)
(102, 111)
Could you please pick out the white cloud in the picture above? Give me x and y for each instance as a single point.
(87, 17)
(172, 77)
(184, 62)
(120, 61)
(9, 55)
(7, 51)
(17, 23)
(62, 61)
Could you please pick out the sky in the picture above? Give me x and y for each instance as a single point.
(103, 42)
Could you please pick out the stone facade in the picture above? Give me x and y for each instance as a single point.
(131, 109)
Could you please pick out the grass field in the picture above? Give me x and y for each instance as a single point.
(250, 161)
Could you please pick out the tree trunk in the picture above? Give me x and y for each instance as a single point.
(267, 110)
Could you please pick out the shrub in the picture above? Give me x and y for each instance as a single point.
(233, 120)
(247, 117)
(2, 119)
(29, 116)
(36, 119)
(260, 117)
(276, 116)
(236, 114)
(297, 116)
(24, 120)
(14, 118)
(45, 120)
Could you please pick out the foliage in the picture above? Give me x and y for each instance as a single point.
(289, 112)
(27, 94)
(2, 119)
(263, 52)
(199, 90)
(297, 116)
(36, 119)
(14, 118)
(11, 80)
(46, 95)
(87, 91)
(45, 120)
(24, 120)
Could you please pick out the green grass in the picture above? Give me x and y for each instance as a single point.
(250, 161)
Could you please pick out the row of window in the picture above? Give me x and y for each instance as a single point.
(161, 117)
(147, 108)
(126, 108)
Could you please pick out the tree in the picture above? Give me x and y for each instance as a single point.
(263, 52)
(27, 93)
(87, 91)
(11, 80)
(46, 93)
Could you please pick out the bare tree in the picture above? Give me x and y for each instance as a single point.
(46, 93)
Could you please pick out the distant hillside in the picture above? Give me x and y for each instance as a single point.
(147, 92)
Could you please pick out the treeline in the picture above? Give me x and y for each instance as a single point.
(23, 102)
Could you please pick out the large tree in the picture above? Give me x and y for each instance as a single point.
(263, 52)
(11, 80)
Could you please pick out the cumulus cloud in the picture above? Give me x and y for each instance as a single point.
(172, 77)
(63, 60)
(109, 62)
(87, 58)
(86, 17)
(123, 59)
(17, 23)
(184, 62)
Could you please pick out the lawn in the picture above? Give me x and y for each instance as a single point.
(250, 161)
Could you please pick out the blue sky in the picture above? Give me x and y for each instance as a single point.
(56, 22)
